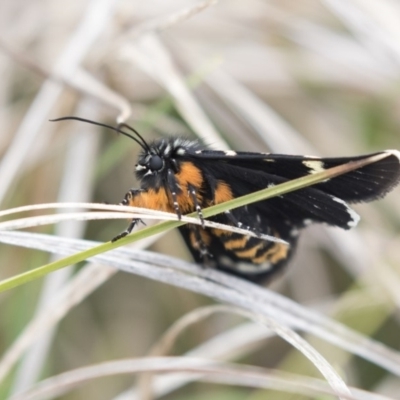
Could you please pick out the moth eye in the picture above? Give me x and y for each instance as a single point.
(156, 163)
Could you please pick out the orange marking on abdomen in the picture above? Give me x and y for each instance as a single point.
(274, 254)
(236, 243)
(250, 253)
(221, 232)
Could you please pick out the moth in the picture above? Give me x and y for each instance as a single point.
(182, 176)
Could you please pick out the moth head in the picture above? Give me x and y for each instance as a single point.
(149, 164)
(161, 155)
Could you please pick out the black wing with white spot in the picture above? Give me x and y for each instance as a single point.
(364, 184)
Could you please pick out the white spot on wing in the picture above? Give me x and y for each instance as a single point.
(314, 165)
(395, 153)
(181, 151)
(230, 153)
(353, 215)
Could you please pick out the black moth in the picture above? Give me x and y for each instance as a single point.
(183, 176)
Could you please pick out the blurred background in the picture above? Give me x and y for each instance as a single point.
(304, 77)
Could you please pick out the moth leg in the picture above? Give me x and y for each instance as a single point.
(127, 231)
(192, 194)
(125, 202)
(232, 219)
(128, 197)
(174, 189)
(198, 242)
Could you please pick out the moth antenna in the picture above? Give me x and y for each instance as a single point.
(136, 133)
(141, 142)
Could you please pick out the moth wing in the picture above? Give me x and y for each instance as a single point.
(368, 183)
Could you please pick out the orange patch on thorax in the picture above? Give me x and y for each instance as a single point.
(189, 174)
(223, 193)
(161, 199)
